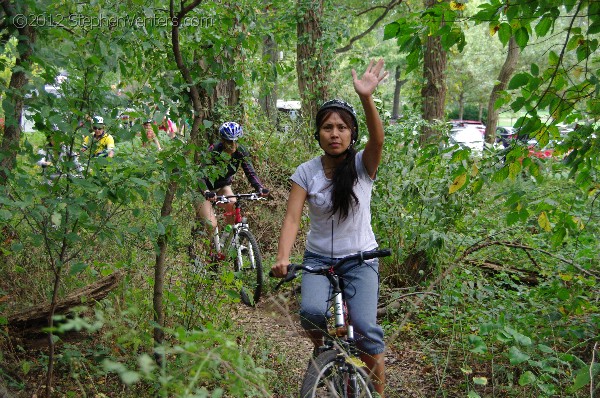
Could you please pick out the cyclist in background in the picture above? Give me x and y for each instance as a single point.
(238, 156)
(337, 187)
(53, 159)
(100, 142)
(150, 135)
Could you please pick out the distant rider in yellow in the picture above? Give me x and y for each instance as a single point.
(100, 143)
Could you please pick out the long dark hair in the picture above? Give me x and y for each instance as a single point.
(345, 175)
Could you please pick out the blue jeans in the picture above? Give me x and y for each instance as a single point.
(361, 290)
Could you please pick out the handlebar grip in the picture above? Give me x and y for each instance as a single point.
(290, 275)
(376, 253)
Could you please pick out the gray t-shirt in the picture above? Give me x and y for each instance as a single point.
(350, 235)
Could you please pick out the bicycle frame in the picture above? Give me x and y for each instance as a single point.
(222, 242)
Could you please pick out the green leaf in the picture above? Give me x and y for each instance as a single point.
(594, 27)
(558, 236)
(520, 338)
(513, 170)
(473, 394)
(26, 367)
(527, 378)
(504, 33)
(477, 186)
(160, 227)
(479, 346)
(518, 80)
(77, 268)
(553, 58)
(56, 219)
(500, 175)
(147, 364)
(516, 356)
(5, 215)
(545, 349)
(582, 377)
(130, 377)
(517, 104)
(522, 37)
(391, 30)
(480, 381)
(543, 26)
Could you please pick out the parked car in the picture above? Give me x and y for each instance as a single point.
(464, 123)
(469, 136)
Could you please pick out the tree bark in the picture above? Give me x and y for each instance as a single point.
(268, 96)
(311, 61)
(398, 83)
(507, 70)
(434, 90)
(14, 102)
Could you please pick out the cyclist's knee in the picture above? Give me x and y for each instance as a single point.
(369, 337)
(313, 320)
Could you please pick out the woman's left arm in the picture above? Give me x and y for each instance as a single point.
(365, 87)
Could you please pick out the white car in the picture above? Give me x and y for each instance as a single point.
(468, 136)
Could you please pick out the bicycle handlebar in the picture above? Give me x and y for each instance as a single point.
(368, 255)
(246, 196)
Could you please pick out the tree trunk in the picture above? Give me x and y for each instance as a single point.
(398, 83)
(507, 70)
(268, 96)
(160, 268)
(311, 61)
(461, 105)
(13, 104)
(434, 91)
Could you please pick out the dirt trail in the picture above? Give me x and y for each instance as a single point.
(274, 319)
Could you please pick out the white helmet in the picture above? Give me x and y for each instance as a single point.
(98, 120)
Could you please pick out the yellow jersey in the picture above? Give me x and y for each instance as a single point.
(102, 145)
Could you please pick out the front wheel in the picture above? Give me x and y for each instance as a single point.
(248, 267)
(330, 376)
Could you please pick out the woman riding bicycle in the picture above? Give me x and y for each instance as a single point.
(337, 186)
(230, 132)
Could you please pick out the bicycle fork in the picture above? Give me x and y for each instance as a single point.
(346, 357)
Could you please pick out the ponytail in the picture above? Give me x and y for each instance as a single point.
(344, 179)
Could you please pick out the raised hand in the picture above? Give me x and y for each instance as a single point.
(370, 79)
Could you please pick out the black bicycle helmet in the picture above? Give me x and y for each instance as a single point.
(338, 104)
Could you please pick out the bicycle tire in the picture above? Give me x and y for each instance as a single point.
(323, 378)
(248, 268)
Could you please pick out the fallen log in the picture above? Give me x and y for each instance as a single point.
(530, 278)
(37, 317)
